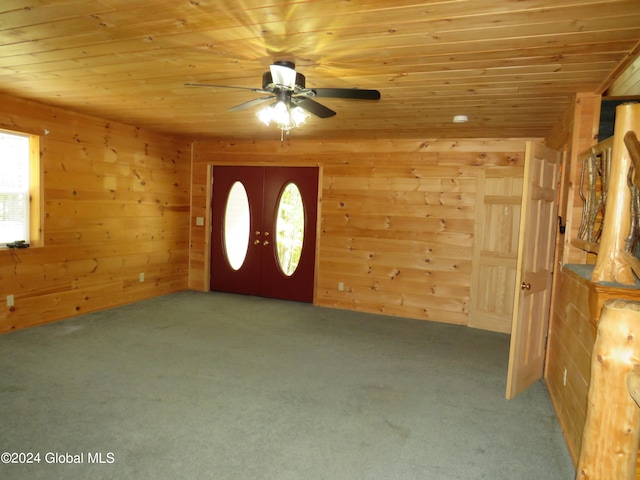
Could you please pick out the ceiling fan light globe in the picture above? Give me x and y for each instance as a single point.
(265, 115)
(280, 114)
(298, 116)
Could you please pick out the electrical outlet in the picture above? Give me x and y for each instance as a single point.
(341, 286)
(142, 277)
(564, 378)
(9, 300)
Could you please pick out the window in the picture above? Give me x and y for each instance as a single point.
(237, 225)
(290, 228)
(20, 188)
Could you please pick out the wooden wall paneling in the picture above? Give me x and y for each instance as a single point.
(397, 217)
(560, 140)
(584, 135)
(628, 82)
(571, 334)
(201, 188)
(571, 338)
(561, 135)
(116, 204)
(381, 179)
(113, 64)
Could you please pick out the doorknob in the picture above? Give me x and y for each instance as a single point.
(525, 286)
(265, 243)
(256, 242)
(257, 232)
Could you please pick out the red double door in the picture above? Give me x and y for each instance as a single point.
(259, 271)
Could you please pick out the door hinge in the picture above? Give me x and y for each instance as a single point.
(563, 228)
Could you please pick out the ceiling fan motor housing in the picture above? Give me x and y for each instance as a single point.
(269, 85)
(267, 82)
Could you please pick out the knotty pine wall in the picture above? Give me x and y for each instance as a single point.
(396, 217)
(571, 339)
(116, 204)
(571, 335)
(581, 132)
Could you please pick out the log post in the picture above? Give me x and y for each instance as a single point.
(610, 265)
(611, 434)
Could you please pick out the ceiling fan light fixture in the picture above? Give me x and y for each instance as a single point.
(299, 116)
(282, 115)
(265, 115)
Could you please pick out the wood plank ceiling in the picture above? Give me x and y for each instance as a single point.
(511, 66)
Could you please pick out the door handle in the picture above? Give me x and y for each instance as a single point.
(525, 286)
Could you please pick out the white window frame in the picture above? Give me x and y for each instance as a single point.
(31, 231)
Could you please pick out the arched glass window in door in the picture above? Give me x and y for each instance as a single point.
(236, 226)
(290, 228)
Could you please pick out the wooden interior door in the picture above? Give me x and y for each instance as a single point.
(495, 248)
(260, 271)
(535, 268)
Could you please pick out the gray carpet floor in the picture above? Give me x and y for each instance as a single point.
(218, 386)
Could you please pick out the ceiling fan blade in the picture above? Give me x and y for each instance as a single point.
(256, 90)
(251, 103)
(354, 93)
(313, 107)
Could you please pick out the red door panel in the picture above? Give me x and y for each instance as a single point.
(275, 284)
(260, 274)
(224, 278)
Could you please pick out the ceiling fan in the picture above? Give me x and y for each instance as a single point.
(289, 97)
